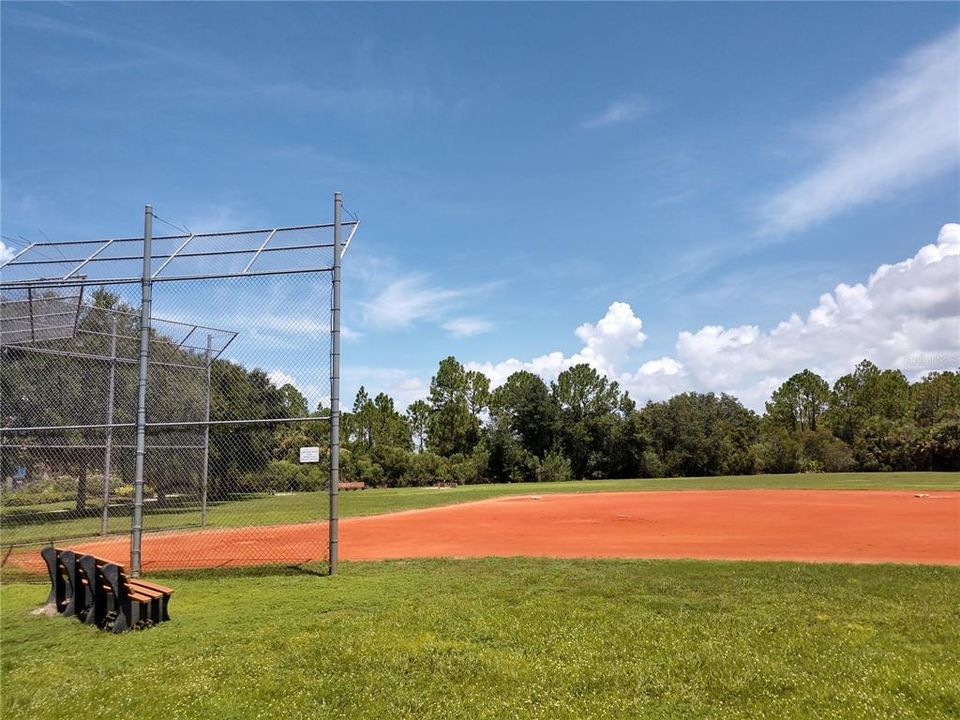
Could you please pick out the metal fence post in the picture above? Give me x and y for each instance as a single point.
(206, 441)
(108, 450)
(146, 291)
(335, 390)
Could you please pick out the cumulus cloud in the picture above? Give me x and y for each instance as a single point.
(6, 252)
(894, 134)
(623, 110)
(280, 378)
(906, 315)
(468, 326)
(606, 344)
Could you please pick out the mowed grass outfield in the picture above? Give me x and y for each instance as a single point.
(513, 638)
(516, 638)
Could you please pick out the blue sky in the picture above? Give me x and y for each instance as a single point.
(538, 183)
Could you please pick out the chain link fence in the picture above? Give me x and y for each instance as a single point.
(153, 412)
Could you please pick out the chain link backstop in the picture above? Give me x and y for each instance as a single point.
(155, 394)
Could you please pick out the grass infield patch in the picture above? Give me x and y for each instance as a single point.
(505, 638)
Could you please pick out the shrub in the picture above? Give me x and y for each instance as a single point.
(822, 452)
(554, 468)
(424, 468)
(652, 466)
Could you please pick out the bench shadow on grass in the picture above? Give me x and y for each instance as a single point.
(10, 574)
(316, 569)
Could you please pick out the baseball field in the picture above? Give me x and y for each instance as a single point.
(767, 596)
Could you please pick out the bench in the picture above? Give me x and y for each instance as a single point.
(352, 486)
(99, 592)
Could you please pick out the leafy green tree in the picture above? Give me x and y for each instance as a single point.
(820, 451)
(581, 391)
(238, 454)
(940, 446)
(589, 408)
(524, 407)
(935, 398)
(425, 468)
(778, 451)
(361, 421)
(452, 428)
(507, 459)
(866, 393)
(388, 427)
(477, 392)
(294, 402)
(703, 434)
(418, 415)
(799, 403)
(629, 452)
(890, 396)
(883, 444)
(554, 468)
(849, 400)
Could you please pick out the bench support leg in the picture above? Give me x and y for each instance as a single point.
(96, 610)
(68, 560)
(122, 604)
(58, 588)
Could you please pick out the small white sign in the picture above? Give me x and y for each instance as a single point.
(309, 454)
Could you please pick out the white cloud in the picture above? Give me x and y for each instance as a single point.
(606, 344)
(349, 334)
(664, 366)
(215, 218)
(406, 300)
(468, 326)
(284, 330)
(896, 133)
(6, 252)
(906, 315)
(317, 394)
(280, 378)
(625, 109)
(401, 385)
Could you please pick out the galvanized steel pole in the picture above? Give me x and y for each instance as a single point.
(108, 451)
(206, 441)
(335, 390)
(146, 292)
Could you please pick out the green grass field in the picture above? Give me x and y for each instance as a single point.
(306, 507)
(508, 639)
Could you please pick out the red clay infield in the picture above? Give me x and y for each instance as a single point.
(805, 525)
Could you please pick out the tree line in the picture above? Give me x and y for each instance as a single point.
(583, 425)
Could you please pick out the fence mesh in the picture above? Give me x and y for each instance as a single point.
(238, 381)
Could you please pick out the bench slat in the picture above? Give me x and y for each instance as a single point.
(153, 586)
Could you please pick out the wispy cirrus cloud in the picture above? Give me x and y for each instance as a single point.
(403, 301)
(623, 110)
(216, 218)
(468, 326)
(404, 386)
(894, 134)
